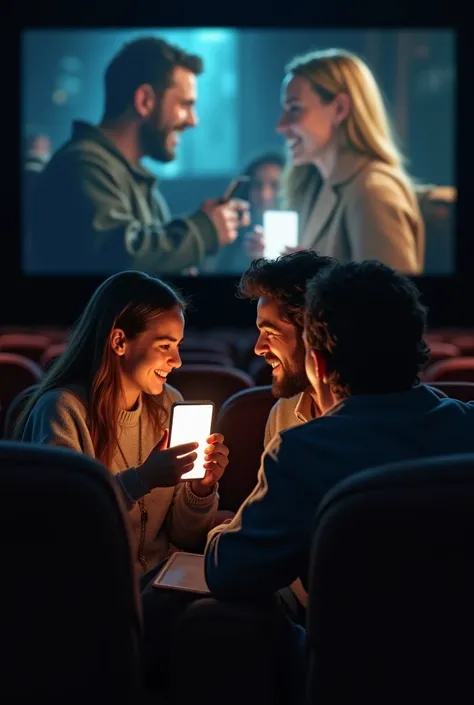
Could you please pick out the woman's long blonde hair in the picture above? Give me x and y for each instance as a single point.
(366, 130)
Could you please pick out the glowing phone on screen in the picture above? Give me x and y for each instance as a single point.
(281, 230)
(191, 422)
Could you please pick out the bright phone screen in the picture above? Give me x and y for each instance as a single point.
(281, 230)
(191, 423)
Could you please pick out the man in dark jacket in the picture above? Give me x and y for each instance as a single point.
(96, 208)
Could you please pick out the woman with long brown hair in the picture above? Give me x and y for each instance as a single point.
(107, 397)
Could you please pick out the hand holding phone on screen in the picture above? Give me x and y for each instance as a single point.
(228, 213)
(227, 217)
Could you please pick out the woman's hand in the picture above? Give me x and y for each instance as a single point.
(216, 460)
(163, 468)
(254, 242)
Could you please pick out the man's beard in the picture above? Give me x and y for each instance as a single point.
(293, 381)
(290, 385)
(153, 142)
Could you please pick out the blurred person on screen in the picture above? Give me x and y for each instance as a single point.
(262, 192)
(37, 154)
(346, 178)
(97, 209)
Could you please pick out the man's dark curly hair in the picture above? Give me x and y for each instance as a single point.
(368, 322)
(145, 60)
(284, 280)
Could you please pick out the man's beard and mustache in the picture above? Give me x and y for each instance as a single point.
(153, 139)
(293, 381)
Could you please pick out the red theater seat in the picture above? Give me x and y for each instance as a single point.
(464, 343)
(242, 420)
(51, 354)
(442, 351)
(29, 345)
(209, 382)
(457, 369)
(205, 358)
(16, 374)
(202, 343)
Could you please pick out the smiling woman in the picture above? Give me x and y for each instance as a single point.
(147, 359)
(107, 397)
(347, 179)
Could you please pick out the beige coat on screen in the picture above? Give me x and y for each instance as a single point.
(364, 210)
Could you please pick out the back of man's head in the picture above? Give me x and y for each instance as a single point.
(148, 60)
(368, 322)
(283, 280)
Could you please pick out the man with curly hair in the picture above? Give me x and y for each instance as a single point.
(279, 287)
(364, 349)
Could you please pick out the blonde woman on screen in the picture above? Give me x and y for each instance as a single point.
(346, 178)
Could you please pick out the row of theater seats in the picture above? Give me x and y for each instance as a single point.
(243, 400)
(194, 381)
(390, 612)
(222, 347)
(230, 349)
(241, 418)
(43, 349)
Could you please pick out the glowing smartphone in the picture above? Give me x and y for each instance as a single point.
(281, 230)
(191, 422)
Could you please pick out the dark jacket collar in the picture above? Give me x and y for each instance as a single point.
(85, 131)
(421, 398)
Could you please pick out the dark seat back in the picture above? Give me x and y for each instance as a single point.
(391, 614)
(14, 410)
(462, 391)
(70, 612)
